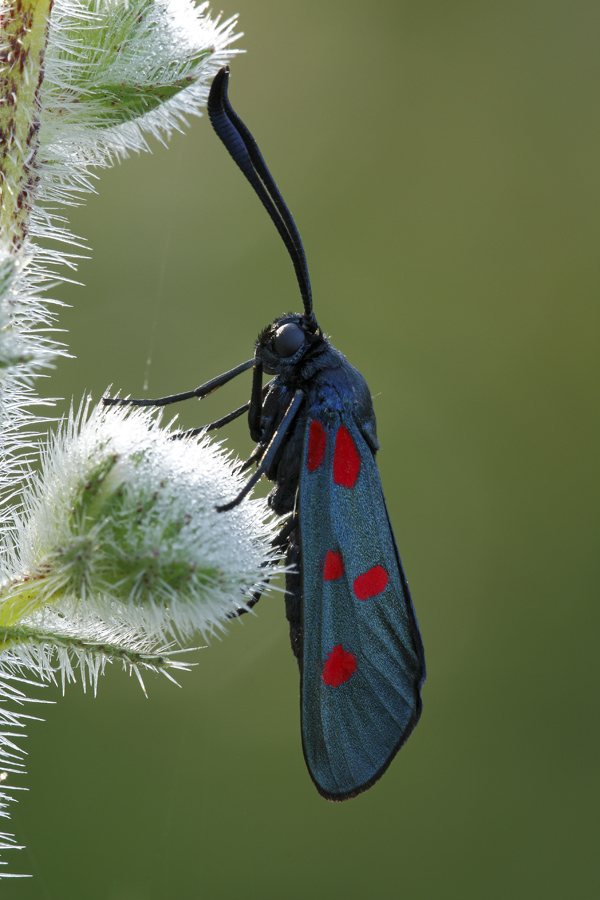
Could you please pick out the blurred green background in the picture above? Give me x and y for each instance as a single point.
(442, 161)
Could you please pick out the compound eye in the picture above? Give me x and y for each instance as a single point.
(288, 339)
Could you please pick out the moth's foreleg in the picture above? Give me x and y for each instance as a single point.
(255, 423)
(254, 457)
(219, 423)
(202, 391)
(270, 452)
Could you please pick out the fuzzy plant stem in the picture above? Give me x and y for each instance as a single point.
(111, 548)
(24, 32)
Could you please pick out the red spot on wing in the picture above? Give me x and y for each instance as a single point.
(334, 566)
(346, 461)
(339, 666)
(317, 442)
(370, 583)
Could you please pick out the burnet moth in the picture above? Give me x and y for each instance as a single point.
(352, 624)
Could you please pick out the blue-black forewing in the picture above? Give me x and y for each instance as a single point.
(363, 663)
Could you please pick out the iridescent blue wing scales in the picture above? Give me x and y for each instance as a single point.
(363, 663)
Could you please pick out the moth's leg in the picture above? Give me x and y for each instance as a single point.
(254, 457)
(270, 452)
(192, 432)
(256, 403)
(203, 391)
(225, 420)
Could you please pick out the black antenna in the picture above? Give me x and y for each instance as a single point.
(244, 151)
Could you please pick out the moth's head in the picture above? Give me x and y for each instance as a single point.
(286, 342)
